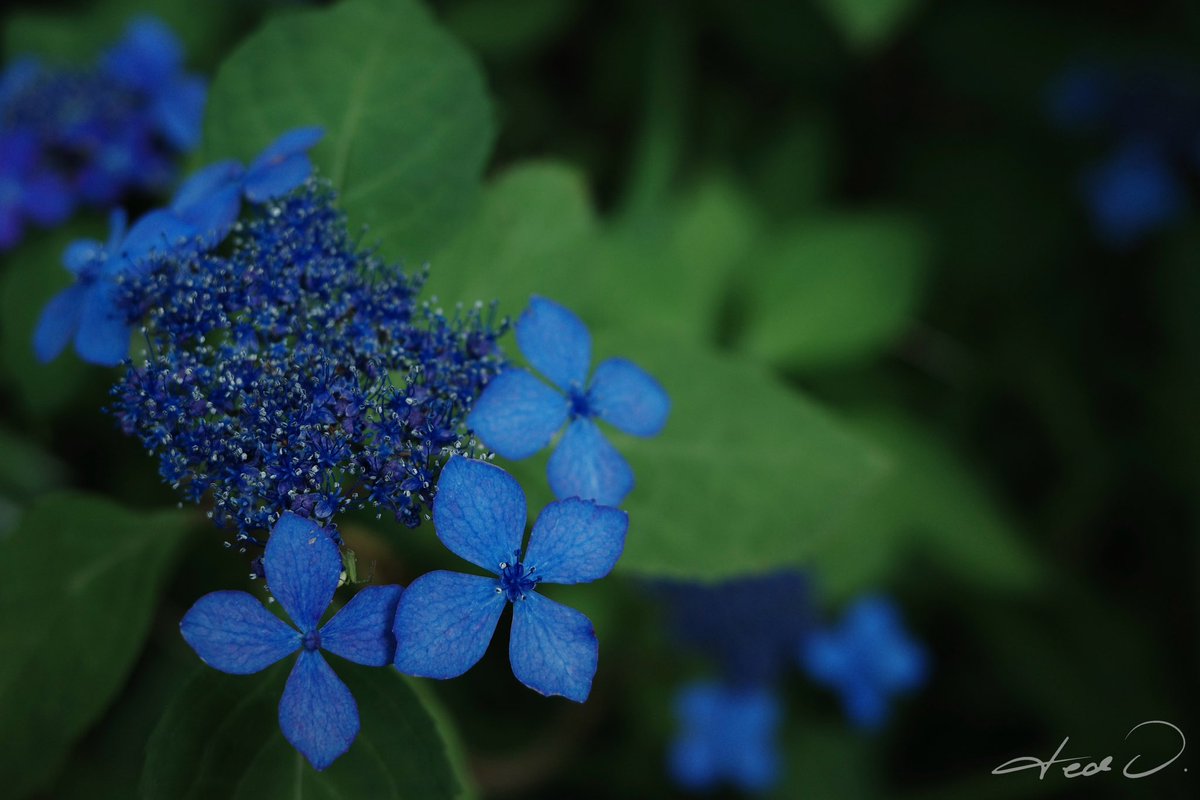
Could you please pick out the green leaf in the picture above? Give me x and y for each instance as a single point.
(408, 124)
(30, 276)
(834, 289)
(26, 469)
(532, 219)
(930, 506)
(748, 475)
(78, 582)
(220, 737)
(868, 24)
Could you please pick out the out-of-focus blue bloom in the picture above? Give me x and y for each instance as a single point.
(866, 659)
(727, 735)
(518, 414)
(293, 370)
(1134, 193)
(27, 192)
(1082, 98)
(446, 619)
(88, 310)
(99, 133)
(233, 632)
(749, 625)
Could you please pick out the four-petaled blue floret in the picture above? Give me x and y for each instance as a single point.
(728, 735)
(518, 415)
(446, 619)
(867, 658)
(233, 632)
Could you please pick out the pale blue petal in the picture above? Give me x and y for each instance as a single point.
(479, 512)
(58, 322)
(444, 623)
(362, 630)
(517, 415)
(585, 465)
(624, 395)
(233, 632)
(555, 342)
(303, 567)
(103, 334)
(576, 541)
(553, 649)
(317, 713)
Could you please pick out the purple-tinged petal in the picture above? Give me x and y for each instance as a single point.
(103, 334)
(58, 323)
(553, 649)
(576, 541)
(625, 395)
(479, 512)
(556, 343)
(233, 632)
(303, 567)
(317, 713)
(517, 415)
(362, 630)
(444, 623)
(586, 466)
(19, 152)
(267, 183)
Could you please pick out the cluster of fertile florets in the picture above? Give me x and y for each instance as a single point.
(294, 371)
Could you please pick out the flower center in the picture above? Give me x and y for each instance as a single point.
(579, 403)
(516, 580)
(311, 640)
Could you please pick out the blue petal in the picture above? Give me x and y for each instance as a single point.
(303, 567)
(576, 541)
(58, 322)
(362, 630)
(266, 183)
(297, 140)
(553, 649)
(865, 704)
(198, 190)
(479, 512)
(317, 713)
(214, 218)
(81, 254)
(103, 335)
(48, 199)
(232, 632)
(159, 231)
(823, 656)
(692, 763)
(444, 623)
(556, 343)
(624, 395)
(179, 112)
(147, 55)
(585, 465)
(517, 415)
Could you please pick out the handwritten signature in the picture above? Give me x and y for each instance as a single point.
(1086, 766)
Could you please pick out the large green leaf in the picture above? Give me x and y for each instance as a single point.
(748, 475)
(834, 289)
(220, 737)
(407, 119)
(932, 507)
(78, 582)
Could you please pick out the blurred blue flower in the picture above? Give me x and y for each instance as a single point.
(518, 415)
(1134, 193)
(446, 619)
(89, 310)
(233, 632)
(1082, 98)
(748, 625)
(28, 191)
(728, 735)
(867, 658)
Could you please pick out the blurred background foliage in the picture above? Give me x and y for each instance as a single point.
(845, 236)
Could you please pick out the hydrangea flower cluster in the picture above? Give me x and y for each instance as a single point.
(868, 657)
(1152, 114)
(94, 135)
(728, 734)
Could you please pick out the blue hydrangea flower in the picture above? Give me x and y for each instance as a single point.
(518, 415)
(88, 310)
(446, 619)
(1134, 193)
(233, 632)
(748, 625)
(867, 658)
(28, 191)
(728, 736)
